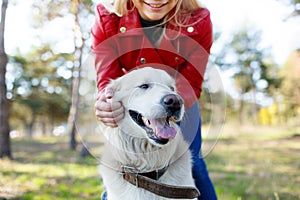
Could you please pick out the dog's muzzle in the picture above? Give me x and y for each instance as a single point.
(173, 104)
(159, 129)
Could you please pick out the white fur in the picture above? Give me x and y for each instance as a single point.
(129, 145)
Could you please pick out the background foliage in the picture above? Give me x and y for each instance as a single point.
(256, 156)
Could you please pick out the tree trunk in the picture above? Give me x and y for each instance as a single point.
(30, 125)
(241, 111)
(5, 149)
(78, 41)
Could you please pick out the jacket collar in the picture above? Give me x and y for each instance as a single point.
(131, 24)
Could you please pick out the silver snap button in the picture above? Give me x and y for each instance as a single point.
(123, 29)
(143, 60)
(190, 29)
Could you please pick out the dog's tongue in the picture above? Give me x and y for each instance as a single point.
(162, 129)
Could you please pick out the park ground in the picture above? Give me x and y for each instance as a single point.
(247, 162)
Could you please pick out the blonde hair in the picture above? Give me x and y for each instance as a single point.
(181, 16)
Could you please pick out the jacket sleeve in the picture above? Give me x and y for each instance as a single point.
(195, 67)
(104, 48)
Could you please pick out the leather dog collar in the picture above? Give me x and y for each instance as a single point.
(161, 189)
(156, 174)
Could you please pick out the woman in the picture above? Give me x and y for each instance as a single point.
(175, 35)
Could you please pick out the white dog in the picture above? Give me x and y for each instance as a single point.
(146, 157)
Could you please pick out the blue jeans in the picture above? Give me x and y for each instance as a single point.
(191, 129)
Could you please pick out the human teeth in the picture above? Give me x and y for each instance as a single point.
(155, 5)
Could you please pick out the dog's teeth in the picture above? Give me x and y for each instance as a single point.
(146, 121)
(173, 119)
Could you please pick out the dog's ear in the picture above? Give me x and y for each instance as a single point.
(113, 87)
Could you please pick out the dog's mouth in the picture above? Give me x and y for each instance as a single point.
(158, 130)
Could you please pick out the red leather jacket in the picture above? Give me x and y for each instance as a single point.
(119, 44)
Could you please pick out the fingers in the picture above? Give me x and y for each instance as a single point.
(112, 120)
(109, 93)
(109, 113)
(117, 113)
(105, 94)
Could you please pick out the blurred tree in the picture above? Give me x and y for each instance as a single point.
(252, 68)
(41, 85)
(213, 98)
(296, 6)
(5, 149)
(78, 9)
(290, 88)
(79, 44)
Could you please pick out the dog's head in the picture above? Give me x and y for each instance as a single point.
(151, 103)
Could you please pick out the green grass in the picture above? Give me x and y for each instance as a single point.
(253, 163)
(46, 169)
(256, 164)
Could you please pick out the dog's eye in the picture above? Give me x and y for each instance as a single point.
(144, 86)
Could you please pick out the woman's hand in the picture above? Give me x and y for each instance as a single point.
(108, 113)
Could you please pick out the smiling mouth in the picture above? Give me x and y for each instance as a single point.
(158, 130)
(155, 5)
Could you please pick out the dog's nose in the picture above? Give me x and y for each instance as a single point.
(172, 102)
